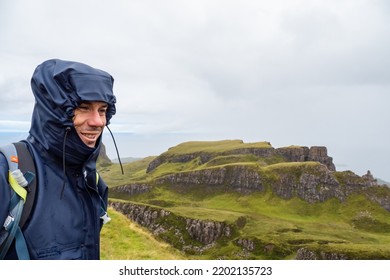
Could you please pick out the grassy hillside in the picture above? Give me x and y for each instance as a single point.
(357, 225)
(215, 147)
(356, 228)
(122, 239)
(133, 172)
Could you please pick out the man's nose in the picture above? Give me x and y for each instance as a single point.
(96, 119)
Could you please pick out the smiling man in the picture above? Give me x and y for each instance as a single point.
(74, 102)
(89, 121)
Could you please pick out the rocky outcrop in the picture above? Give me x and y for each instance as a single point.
(254, 246)
(131, 189)
(182, 233)
(292, 154)
(320, 154)
(103, 159)
(370, 179)
(247, 244)
(143, 215)
(306, 254)
(317, 185)
(302, 154)
(239, 177)
(207, 232)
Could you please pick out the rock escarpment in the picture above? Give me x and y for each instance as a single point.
(207, 232)
(132, 189)
(310, 182)
(294, 171)
(314, 184)
(306, 254)
(238, 177)
(290, 154)
(184, 233)
(302, 154)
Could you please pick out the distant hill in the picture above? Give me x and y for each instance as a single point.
(234, 200)
(126, 160)
(104, 160)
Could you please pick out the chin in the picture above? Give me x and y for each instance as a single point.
(91, 145)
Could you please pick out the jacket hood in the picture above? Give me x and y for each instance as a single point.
(59, 87)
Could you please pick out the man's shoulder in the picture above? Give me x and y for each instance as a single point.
(3, 163)
(5, 190)
(4, 186)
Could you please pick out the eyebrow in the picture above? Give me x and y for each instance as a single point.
(103, 104)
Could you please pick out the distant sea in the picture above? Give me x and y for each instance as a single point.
(9, 137)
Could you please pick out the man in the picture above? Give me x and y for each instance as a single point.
(73, 104)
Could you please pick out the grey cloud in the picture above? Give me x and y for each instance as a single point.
(289, 72)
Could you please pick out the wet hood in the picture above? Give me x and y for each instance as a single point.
(59, 87)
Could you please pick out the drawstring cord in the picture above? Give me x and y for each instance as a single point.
(63, 161)
(116, 148)
(67, 130)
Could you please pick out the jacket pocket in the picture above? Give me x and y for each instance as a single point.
(70, 252)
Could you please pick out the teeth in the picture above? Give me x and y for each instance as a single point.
(90, 136)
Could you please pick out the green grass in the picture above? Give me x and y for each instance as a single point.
(133, 172)
(173, 167)
(214, 146)
(124, 240)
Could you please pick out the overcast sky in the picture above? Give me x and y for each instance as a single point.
(285, 71)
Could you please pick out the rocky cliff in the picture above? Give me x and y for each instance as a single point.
(306, 254)
(186, 234)
(132, 189)
(302, 154)
(239, 177)
(312, 183)
(290, 154)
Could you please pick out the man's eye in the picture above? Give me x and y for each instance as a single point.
(103, 110)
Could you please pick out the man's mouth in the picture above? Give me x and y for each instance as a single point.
(90, 136)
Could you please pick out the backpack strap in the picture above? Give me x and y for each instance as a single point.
(18, 181)
(27, 166)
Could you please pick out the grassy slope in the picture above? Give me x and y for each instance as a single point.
(357, 226)
(124, 240)
(133, 172)
(215, 147)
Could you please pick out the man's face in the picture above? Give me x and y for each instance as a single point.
(89, 121)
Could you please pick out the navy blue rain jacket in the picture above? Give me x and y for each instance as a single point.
(65, 221)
